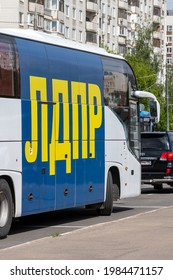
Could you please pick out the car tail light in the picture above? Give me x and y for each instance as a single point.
(168, 170)
(167, 156)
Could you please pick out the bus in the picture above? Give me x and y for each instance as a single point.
(69, 126)
(149, 119)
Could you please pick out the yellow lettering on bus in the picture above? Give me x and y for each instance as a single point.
(60, 148)
(95, 118)
(60, 151)
(79, 90)
(37, 84)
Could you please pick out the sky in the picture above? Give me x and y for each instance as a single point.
(169, 4)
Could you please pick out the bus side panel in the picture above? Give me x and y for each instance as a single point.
(63, 70)
(90, 171)
(52, 170)
(72, 70)
(38, 187)
(117, 152)
(10, 146)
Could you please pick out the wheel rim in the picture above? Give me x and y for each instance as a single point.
(3, 209)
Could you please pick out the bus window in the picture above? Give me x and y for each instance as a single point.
(8, 68)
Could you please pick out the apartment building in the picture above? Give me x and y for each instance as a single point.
(110, 23)
(169, 37)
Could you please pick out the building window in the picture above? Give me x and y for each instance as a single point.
(169, 28)
(54, 26)
(113, 30)
(61, 28)
(169, 61)
(40, 21)
(122, 49)
(74, 13)
(113, 12)
(80, 15)
(21, 18)
(67, 34)
(61, 6)
(47, 25)
(103, 8)
(123, 31)
(169, 50)
(67, 11)
(80, 36)
(48, 4)
(169, 39)
(54, 5)
(91, 37)
(122, 13)
(31, 19)
(73, 34)
(41, 2)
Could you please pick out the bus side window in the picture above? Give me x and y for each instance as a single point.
(8, 70)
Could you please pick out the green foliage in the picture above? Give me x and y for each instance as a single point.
(146, 67)
(170, 94)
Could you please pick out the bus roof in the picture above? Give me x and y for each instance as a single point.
(40, 36)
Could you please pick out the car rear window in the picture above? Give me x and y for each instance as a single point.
(171, 140)
(155, 142)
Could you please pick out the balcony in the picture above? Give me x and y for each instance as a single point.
(122, 22)
(123, 5)
(158, 3)
(50, 13)
(135, 10)
(156, 19)
(91, 26)
(32, 7)
(157, 35)
(92, 6)
(121, 40)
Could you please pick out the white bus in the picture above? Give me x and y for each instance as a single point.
(69, 126)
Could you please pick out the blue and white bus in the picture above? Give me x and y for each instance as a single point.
(69, 126)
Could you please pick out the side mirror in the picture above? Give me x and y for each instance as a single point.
(154, 107)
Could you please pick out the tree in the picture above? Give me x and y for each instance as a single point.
(146, 66)
(169, 92)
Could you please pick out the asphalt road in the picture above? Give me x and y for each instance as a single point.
(27, 230)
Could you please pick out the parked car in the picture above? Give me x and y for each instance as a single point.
(157, 158)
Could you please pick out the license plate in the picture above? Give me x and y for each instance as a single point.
(147, 162)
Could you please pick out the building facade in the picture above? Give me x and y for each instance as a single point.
(111, 23)
(169, 37)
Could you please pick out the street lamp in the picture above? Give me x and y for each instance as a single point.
(167, 98)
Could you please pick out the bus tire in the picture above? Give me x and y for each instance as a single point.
(6, 208)
(108, 204)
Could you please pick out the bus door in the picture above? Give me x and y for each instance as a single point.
(61, 164)
(88, 124)
(133, 157)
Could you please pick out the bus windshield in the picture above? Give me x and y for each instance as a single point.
(119, 81)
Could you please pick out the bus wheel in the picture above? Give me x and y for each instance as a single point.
(6, 208)
(108, 204)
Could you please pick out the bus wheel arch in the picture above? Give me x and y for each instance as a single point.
(116, 182)
(107, 207)
(6, 205)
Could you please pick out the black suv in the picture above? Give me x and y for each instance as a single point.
(157, 158)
